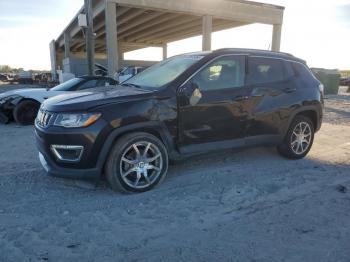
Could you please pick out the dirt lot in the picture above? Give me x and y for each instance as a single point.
(250, 205)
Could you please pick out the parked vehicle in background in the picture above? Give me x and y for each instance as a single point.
(22, 105)
(42, 78)
(345, 81)
(4, 78)
(100, 70)
(24, 77)
(128, 72)
(185, 105)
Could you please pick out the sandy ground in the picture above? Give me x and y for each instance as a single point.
(251, 205)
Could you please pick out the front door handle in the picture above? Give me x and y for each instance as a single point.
(241, 98)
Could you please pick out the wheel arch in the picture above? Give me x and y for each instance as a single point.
(158, 129)
(312, 115)
(21, 99)
(308, 111)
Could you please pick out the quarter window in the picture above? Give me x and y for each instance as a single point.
(265, 70)
(225, 72)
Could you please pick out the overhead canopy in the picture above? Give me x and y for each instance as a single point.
(145, 23)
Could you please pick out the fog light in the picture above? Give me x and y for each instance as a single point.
(67, 153)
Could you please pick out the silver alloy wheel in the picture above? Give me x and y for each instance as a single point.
(141, 164)
(301, 138)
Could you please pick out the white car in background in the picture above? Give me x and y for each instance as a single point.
(22, 105)
(128, 72)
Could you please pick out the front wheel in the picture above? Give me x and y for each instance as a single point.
(299, 138)
(25, 112)
(137, 163)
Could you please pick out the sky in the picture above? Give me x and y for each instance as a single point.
(317, 31)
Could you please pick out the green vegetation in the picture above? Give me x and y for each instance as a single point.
(8, 69)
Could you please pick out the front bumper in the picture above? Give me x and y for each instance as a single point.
(52, 169)
(86, 166)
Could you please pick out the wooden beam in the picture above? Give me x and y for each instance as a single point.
(163, 27)
(132, 14)
(197, 32)
(175, 31)
(139, 21)
(164, 18)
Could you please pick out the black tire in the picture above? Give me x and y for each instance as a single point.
(25, 112)
(286, 148)
(114, 164)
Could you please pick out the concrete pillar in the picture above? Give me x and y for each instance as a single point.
(276, 37)
(53, 59)
(120, 61)
(207, 26)
(66, 44)
(165, 51)
(111, 38)
(90, 38)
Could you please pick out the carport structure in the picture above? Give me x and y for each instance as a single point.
(125, 25)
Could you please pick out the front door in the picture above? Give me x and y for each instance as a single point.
(220, 110)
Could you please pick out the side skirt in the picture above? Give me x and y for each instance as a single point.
(264, 140)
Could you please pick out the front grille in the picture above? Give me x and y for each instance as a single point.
(43, 118)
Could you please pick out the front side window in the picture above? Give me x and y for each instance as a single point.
(89, 84)
(164, 72)
(225, 72)
(263, 70)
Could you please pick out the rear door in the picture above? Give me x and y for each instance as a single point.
(221, 110)
(272, 95)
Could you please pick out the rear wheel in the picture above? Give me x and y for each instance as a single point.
(137, 163)
(25, 112)
(299, 138)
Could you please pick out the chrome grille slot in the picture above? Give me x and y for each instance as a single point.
(43, 118)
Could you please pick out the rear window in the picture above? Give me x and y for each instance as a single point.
(265, 70)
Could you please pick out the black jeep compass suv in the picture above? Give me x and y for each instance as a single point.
(187, 104)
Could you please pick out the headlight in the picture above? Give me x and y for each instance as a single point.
(76, 120)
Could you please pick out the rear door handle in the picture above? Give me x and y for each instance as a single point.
(289, 89)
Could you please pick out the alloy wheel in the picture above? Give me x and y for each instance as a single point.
(141, 164)
(301, 138)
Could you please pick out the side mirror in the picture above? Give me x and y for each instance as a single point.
(189, 89)
(193, 93)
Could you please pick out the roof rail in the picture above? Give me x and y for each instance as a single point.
(252, 50)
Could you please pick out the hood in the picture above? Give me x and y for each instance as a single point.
(28, 92)
(84, 100)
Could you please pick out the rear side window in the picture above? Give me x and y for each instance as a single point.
(265, 70)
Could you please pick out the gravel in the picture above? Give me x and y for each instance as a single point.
(251, 205)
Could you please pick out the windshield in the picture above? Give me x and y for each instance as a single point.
(164, 72)
(66, 86)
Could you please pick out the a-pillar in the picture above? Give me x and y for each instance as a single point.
(111, 38)
(207, 25)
